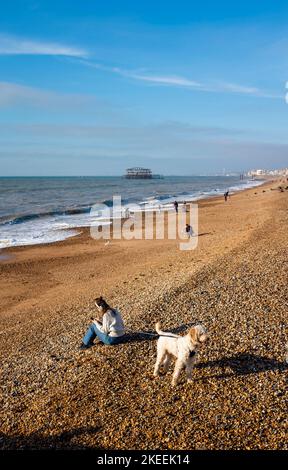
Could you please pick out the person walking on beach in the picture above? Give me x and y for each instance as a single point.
(226, 194)
(109, 328)
(176, 206)
(189, 230)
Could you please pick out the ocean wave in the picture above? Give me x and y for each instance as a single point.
(36, 216)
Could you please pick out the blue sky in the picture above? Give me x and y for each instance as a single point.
(186, 87)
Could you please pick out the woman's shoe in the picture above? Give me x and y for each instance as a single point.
(84, 346)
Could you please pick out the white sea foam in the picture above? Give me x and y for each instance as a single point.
(45, 230)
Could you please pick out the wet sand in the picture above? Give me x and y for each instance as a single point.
(235, 282)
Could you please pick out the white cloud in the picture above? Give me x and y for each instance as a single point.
(176, 81)
(11, 45)
(196, 86)
(248, 90)
(235, 88)
(162, 80)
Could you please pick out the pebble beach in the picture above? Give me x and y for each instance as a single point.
(54, 396)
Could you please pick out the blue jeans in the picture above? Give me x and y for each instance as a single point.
(93, 331)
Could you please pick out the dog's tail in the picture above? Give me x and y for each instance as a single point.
(164, 333)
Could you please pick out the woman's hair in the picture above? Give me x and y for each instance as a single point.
(103, 304)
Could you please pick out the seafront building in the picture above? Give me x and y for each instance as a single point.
(263, 172)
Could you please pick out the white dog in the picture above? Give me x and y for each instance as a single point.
(183, 348)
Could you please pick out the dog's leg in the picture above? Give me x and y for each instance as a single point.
(166, 363)
(159, 360)
(189, 369)
(177, 371)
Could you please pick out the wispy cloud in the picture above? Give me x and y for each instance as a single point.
(235, 88)
(164, 80)
(183, 82)
(12, 45)
(247, 90)
(197, 86)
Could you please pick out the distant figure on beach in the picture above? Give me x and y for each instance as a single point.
(184, 206)
(189, 230)
(176, 206)
(108, 328)
(127, 213)
(226, 194)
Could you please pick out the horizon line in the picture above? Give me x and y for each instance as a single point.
(232, 173)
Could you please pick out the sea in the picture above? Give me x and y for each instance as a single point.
(38, 210)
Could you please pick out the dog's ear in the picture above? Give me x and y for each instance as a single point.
(194, 334)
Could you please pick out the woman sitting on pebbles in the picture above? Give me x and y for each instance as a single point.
(109, 329)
